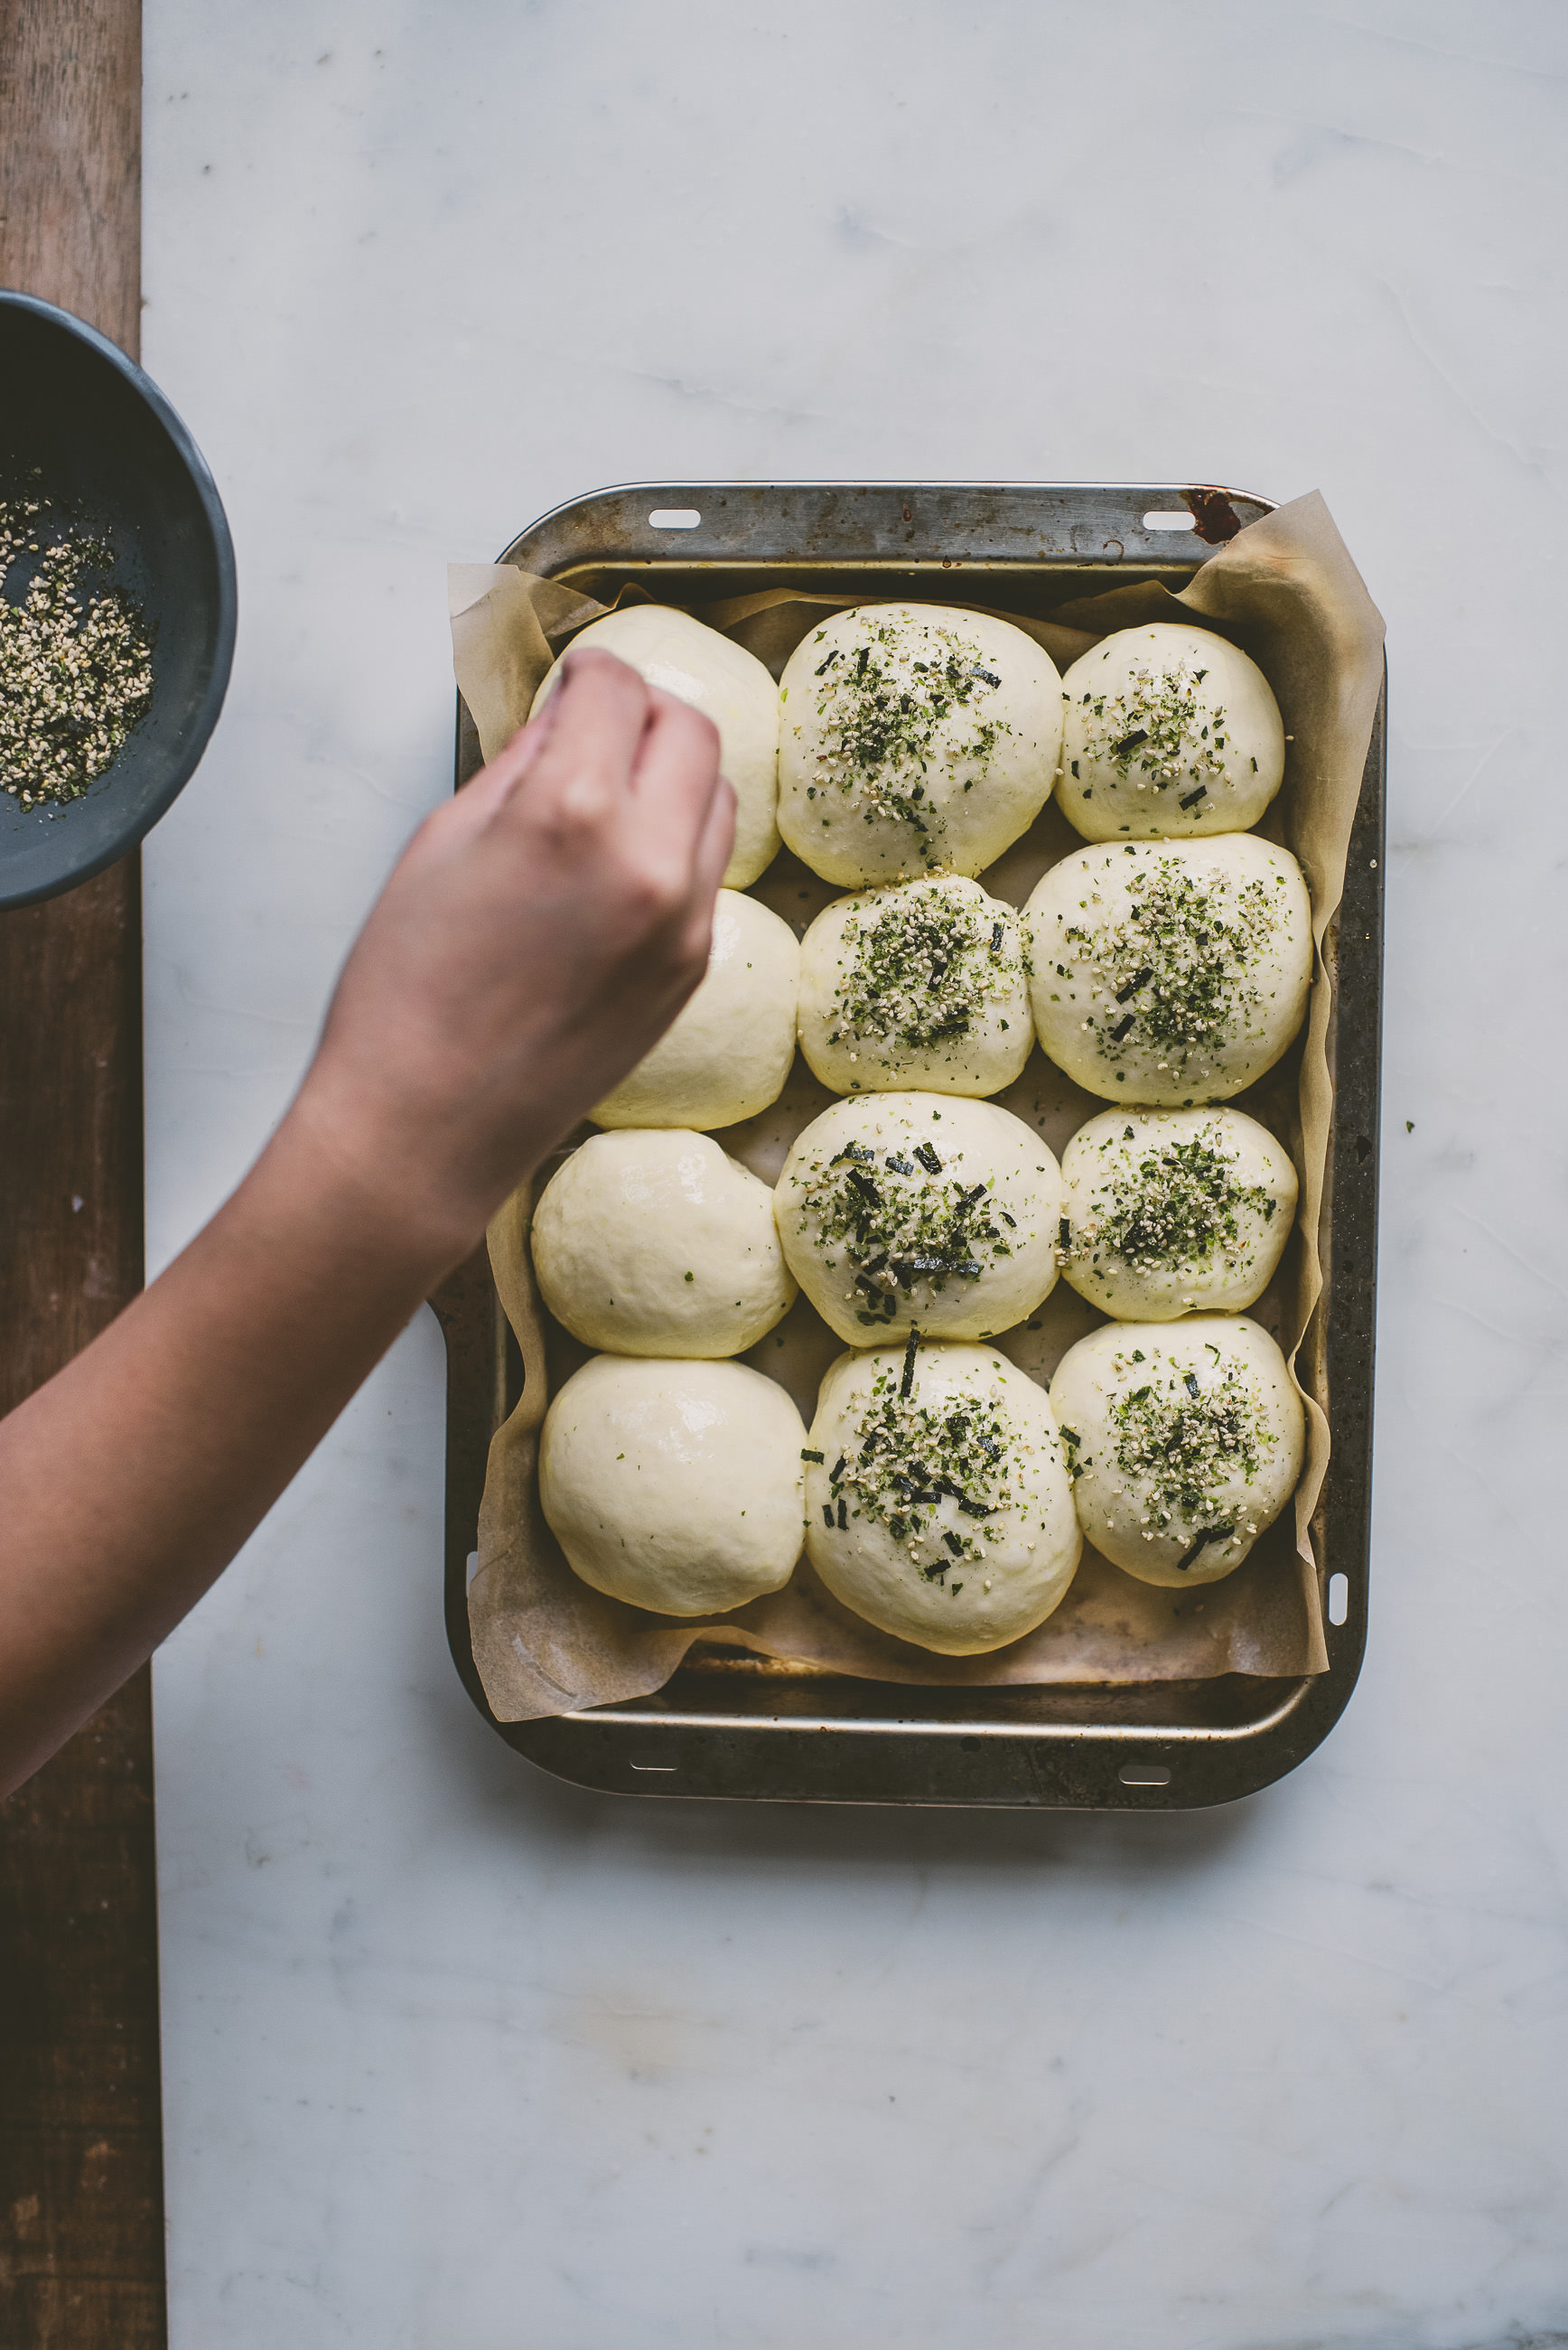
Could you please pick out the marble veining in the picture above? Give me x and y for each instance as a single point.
(457, 2058)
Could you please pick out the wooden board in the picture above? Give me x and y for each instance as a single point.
(81, 2194)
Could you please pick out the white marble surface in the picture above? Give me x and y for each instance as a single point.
(457, 2059)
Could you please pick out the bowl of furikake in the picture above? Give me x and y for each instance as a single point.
(116, 602)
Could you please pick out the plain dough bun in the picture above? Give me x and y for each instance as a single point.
(728, 1051)
(1169, 734)
(674, 1486)
(917, 986)
(730, 686)
(915, 739)
(1185, 1439)
(1170, 972)
(937, 1501)
(654, 1242)
(1172, 1211)
(903, 1211)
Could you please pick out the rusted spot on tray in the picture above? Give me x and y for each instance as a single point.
(1215, 517)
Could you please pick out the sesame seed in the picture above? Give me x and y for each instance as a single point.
(76, 670)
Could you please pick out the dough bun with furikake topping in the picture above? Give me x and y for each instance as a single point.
(914, 739)
(1170, 1211)
(937, 1501)
(1184, 1440)
(729, 1050)
(654, 1242)
(728, 685)
(674, 1486)
(922, 986)
(903, 1211)
(1174, 973)
(1169, 732)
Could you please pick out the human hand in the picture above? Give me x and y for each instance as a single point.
(539, 934)
(537, 937)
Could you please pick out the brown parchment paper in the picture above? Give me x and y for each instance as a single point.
(1287, 591)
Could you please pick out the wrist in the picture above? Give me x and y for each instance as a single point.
(385, 1202)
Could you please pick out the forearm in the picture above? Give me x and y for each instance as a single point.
(539, 934)
(131, 1477)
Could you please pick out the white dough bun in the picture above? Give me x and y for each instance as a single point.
(652, 1241)
(728, 1051)
(1186, 1442)
(727, 684)
(915, 738)
(919, 986)
(1169, 732)
(1172, 1211)
(1174, 973)
(917, 1211)
(907, 1555)
(674, 1486)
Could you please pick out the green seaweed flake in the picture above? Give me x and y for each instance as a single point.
(1158, 727)
(921, 968)
(932, 1474)
(1180, 962)
(883, 710)
(1179, 1206)
(898, 1220)
(1182, 1449)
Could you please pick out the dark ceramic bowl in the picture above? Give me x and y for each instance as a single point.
(81, 426)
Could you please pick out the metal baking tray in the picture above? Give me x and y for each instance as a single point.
(745, 1727)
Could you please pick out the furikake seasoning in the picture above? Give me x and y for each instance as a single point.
(900, 1216)
(1184, 1443)
(887, 744)
(1178, 964)
(75, 660)
(1159, 727)
(1176, 1205)
(931, 1473)
(921, 968)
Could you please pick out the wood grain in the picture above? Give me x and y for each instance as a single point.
(81, 2215)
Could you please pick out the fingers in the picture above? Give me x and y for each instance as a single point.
(677, 764)
(695, 936)
(716, 842)
(676, 784)
(602, 733)
(583, 767)
(696, 869)
(617, 785)
(485, 793)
